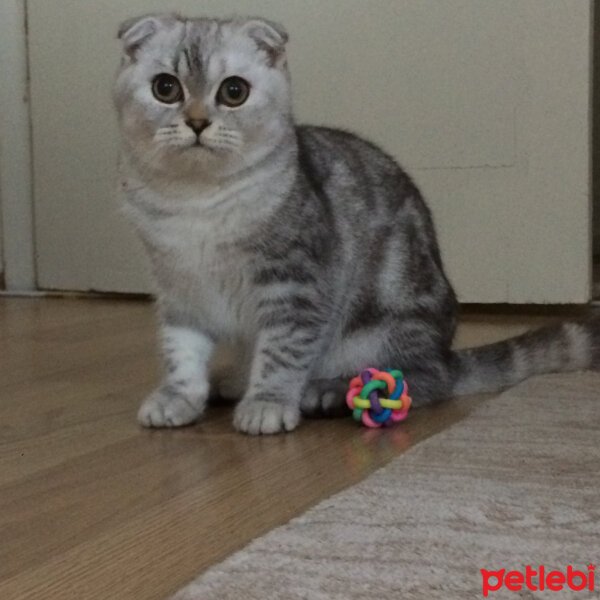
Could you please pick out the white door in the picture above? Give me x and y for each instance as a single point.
(486, 103)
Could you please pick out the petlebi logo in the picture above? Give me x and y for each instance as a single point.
(542, 579)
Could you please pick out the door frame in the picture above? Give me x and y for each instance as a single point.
(16, 189)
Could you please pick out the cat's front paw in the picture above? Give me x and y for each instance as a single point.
(165, 408)
(256, 417)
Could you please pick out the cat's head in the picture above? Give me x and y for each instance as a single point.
(202, 97)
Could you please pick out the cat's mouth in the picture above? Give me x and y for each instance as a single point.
(198, 143)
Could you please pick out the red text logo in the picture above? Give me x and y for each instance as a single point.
(538, 580)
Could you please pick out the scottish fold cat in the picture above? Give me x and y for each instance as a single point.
(307, 251)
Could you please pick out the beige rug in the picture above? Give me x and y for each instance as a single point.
(516, 483)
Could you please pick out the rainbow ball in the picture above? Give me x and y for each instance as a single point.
(378, 398)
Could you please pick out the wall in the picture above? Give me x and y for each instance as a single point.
(485, 102)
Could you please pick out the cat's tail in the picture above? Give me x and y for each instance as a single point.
(568, 346)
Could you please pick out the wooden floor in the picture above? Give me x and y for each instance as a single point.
(92, 507)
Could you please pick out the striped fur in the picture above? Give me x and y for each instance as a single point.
(569, 346)
(307, 251)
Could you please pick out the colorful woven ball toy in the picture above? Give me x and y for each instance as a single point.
(378, 398)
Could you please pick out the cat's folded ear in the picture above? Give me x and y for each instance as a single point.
(269, 37)
(138, 30)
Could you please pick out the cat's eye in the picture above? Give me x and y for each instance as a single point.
(234, 91)
(166, 88)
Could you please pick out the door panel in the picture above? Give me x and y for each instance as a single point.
(486, 104)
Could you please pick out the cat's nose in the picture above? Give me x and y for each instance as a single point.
(197, 125)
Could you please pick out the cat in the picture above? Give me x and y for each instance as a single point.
(307, 250)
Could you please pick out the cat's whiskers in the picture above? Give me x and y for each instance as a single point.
(171, 136)
(225, 140)
(218, 138)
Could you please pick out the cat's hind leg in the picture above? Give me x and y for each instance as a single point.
(325, 394)
(325, 398)
(427, 383)
(425, 364)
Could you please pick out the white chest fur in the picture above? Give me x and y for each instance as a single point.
(202, 271)
(194, 241)
(200, 266)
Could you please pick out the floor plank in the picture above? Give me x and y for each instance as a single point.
(94, 507)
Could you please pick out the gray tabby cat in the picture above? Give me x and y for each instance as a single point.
(308, 250)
